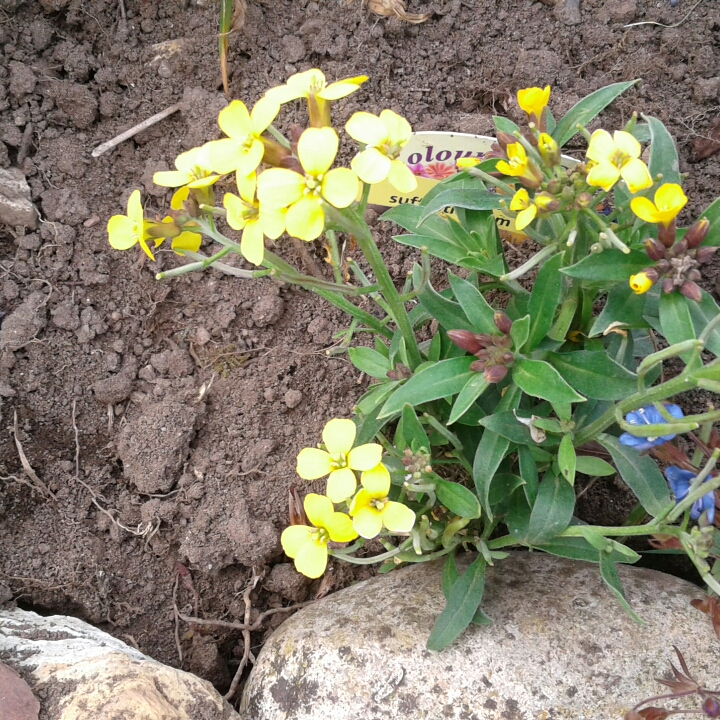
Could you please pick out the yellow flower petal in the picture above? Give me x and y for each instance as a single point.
(179, 197)
(250, 158)
(397, 517)
(365, 457)
(342, 88)
(340, 528)
(313, 463)
(223, 155)
(398, 128)
(307, 81)
(247, 184)
(505, 168)
(204, 181)
(135, 209)
(627, 144)
(525, 217)
(637, 176)
(294, 537)
(272, 221)
(234, 121)
(171, 178)
(278, 187)
(305, 219)
(186, 241)
(603, 174)
(318, 509)
(601, 146)
(341, 485)
(361, 500)
(311, 559)
(670, 197)
(316, 150)
(376, 481)
(120, 232)
(367, 522)
(640, 283)
(401, 177)
(520, 200)
(146, 249)
(262, 115)
(340, 187)
(236, 209)
(366, 128)
(644, 209)
(339, 436)
(252, 244)
(533, 101)
(371, 166)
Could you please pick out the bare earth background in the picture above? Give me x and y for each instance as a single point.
(203, 481)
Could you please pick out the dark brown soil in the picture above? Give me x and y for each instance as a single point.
(192, 397)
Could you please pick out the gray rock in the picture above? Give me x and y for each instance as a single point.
(559, 647)
(267, 310)
(24, 323)
(16, 209)
(22, 79)
(293, 398)
(113, 390)
(82, 672)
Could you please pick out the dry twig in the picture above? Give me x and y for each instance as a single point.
(37, 483)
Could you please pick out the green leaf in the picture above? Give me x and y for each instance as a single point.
(609, 573)
(608, 266)
(586, 109)
(712, 213)
(473, 304)
(567, 459)
(369, 361)
(594, 374)
(447, 312)
(542, 380)
(457, 498)
(473, 389)
(640, 474)
(502, 487)
(449, 575)
(519, 332)
(593, 466)
(443, 379)
(443, 249)
(576, 548)
(463, 600)
(490, 453)
(663, 153)
(702, 313)
(544, 300)
(622, 305)
(507, 425)
(369, 426)
(461, 198)
(552, 511)
(528, 472)
(502, 124)
(675, 318)
(412, 429)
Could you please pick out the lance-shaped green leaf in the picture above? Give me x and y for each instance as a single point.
(490, 453)
(593, 466)
(519, 332)
(503, 124)
(474, 305)
(675, 318)
(576, 548)
(457, 498)
(463, 600)
(552, 511)
(443, 249)
(663, 153)
(712, 213)
(544, 300)
(609, 573)
(567, 459)
(472, 390)
(411, 429)
(369, 361)
(529, 473)
(586, 109)
(542, 380)
(594, 374)
(608, 266)
(702, 313)
(623, 305)
(440, 380)
(640, 474)
(461, 198)
(509, 425)
(447, 312)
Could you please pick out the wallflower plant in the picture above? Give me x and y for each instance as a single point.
(491, 394)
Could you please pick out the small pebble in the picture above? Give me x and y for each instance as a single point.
(293, 398)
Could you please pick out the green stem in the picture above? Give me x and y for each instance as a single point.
(508, 190)
(372, 560)
(530, 264)
(334, 256)
(278, 136)
(200, 265)
(609, 531)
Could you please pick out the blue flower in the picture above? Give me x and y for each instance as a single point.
(648, 415)
(680, 481)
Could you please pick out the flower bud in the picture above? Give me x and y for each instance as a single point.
(697, 232)
(274, 153)
(690, 290)
(546, 202)
(554, 187)
(583, 200)
(704, 254)
(507, 358)
(679, 248)
(693, 274)
(666, 235)
(477, 366)
(668, 286)
(548, 149)
(643, 281)
(502, 322)
(465, 340)
(655, 249)
(495, 374)
(662, 266)
(711, 707)
(504, 139)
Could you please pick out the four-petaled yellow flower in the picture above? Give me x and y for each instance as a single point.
(384, 137)
(518, 165)
(193, 170)
(124, 231)
(304, 195)
(246, 214)
(669, 201)
(527, 210)
(308, 545)
(243, 149)
(371, 509)
(339, 461)
(533, 101)
(616, 156)
(640, 283)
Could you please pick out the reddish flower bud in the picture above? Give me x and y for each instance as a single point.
(693, 275)
(652, 274)
(679, 248)
(502, 322)
(697, 232)
(495, 374)
(667, 234)
(465, 340)
(655, 249)
(663, 266)
(668, 286)
(703, 254)
(504, 139)
(483, 354)
(477, 366)
(711, 707)
(690, 290)
(507, 358)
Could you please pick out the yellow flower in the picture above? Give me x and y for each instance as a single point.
(615, 157)
(312, 86)
(124, 231)
(179, 197)
(243, 149)
(193, 170)
(669, 201)
(640, 283)
(245, 213)
(533, 101)
(548, 149)
(308, 545)
(467, 162)
(527, 210)
(518, 165)
(384, 137)
(371, 509)
(304, 195)
(186, 240)
(339, 461)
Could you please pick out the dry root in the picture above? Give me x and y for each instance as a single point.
(396, 8)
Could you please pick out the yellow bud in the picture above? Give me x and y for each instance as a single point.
(467, 162)
(640, 283)
(548, 149)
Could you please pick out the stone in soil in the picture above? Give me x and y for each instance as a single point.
(16, 209)
(24, 323)
(559, 646)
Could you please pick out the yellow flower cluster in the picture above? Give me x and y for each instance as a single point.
(294, 192)
(369, 511)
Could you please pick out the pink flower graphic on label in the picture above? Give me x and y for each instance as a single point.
(439, 170)
(418, 170)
